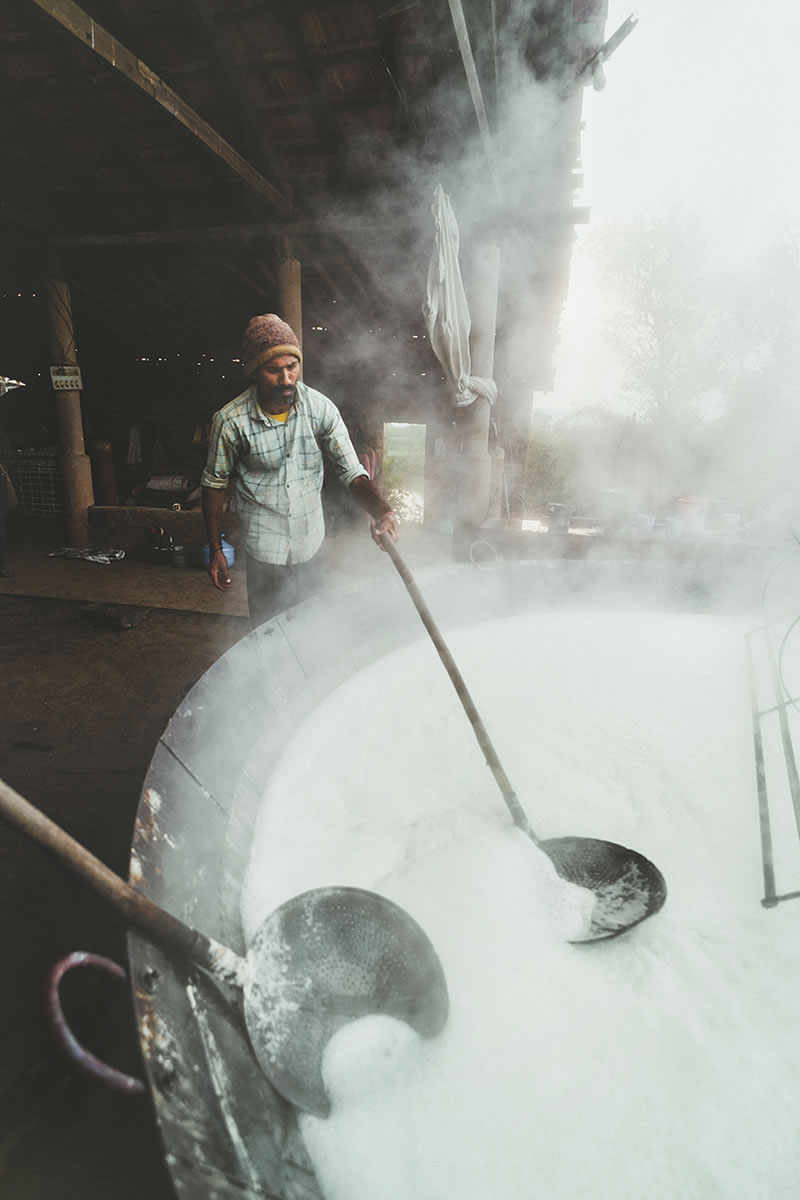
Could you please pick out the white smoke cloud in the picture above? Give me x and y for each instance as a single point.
(698, 116)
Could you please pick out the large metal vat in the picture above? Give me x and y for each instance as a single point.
(226, 1132)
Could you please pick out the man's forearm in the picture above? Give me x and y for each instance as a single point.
(213, 508)
(365, 494)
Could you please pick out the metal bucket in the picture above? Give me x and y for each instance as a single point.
(227, 1134)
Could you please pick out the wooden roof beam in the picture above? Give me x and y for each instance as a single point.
(213, 39)
(132, 322)
(327, 279)
(392, 61)
(241, 232)
(291, 20)
(82, 26)
(263, 231)
(17, 214)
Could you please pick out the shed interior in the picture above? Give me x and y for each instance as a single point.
(167, 159)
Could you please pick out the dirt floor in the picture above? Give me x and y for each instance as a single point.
(82, 710)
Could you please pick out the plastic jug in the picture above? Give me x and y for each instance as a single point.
(227, 550)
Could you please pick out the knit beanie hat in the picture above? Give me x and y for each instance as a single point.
(265, 338)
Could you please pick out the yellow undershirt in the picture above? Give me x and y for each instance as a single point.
(279, 416)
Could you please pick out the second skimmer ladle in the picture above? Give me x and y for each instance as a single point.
(626, 885)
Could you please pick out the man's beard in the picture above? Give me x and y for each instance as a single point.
(283, 397)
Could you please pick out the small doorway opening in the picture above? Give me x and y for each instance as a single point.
(404, 469)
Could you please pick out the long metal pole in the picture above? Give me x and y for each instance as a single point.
(786, 735)
(467, 58)
(462, 691)
(761, 780)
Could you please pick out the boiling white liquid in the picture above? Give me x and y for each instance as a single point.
(662, 1064)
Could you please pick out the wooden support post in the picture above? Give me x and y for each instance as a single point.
(290, 296)
(483, 309)
(475, 465)
(482, 344)
(76, 468)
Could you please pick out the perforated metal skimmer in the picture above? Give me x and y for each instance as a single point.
(325, 958)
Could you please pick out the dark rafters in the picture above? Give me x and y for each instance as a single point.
(211, 37)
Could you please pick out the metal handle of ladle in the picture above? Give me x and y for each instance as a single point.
(137, 908)
(462, 691)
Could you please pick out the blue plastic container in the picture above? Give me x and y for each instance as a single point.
(227, 550)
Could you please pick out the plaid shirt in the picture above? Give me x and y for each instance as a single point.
(278, 471)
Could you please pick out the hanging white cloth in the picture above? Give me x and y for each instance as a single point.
(446, 310)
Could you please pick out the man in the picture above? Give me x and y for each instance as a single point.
(272, 441)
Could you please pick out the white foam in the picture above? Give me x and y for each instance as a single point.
(663, 1063)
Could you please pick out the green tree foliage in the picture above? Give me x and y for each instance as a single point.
(551, 470)
(668, 321)
(578, 461)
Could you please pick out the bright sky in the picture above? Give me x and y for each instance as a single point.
(699, 112)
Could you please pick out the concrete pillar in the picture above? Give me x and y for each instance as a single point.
(290, 297)
(76, 469)
(473, 423)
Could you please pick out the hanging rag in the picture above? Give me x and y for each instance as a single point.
(446, 310)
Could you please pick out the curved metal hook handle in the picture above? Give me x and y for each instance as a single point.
(86, 1062)
(137, 908)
